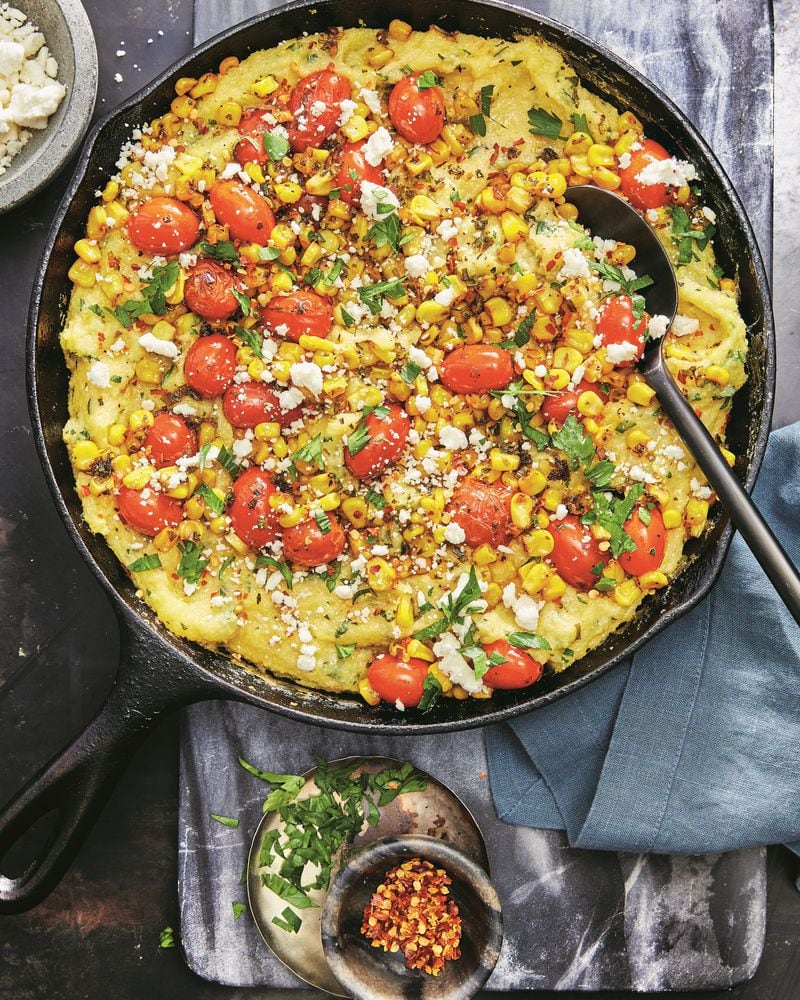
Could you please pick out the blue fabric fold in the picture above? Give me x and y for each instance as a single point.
(693, 746)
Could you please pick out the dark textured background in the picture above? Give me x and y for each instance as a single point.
(97, 935)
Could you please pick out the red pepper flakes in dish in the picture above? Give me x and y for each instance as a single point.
(411, 911)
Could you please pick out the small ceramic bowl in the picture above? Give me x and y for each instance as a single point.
(68, 34)
(369, 973)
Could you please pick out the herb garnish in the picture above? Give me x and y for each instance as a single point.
(251, 338)
(431, 693)
(225, 820)
(373, 295)
(153, 294)
(387, 232)
(191, 566)
(311, 453)
(455, 609)
(215, 505)
(281, 567)
(523, 333)
(428, 79)
(684, 236)
(611, 513)
(275, 145)
(410, 371)
(238, 909)
(478, 122)
(323, 521)
(166, 938)
(528, 640)
(360, 436)
(144, 563)
(224, 251)
(543, 123)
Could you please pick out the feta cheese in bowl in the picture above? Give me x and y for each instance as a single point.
(48, 86)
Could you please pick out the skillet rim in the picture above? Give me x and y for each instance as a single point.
(135, 616)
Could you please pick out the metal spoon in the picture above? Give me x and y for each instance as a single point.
(606, 214)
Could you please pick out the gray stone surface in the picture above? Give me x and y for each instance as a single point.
(574, 919)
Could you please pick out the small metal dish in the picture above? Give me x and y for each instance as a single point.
(369, 973)
(69, 36)
(435, 813)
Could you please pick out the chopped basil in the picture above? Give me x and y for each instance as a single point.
(153, 296)
(227, 461)
(238, 909)
(251, 338)
(600, 473)
(166, 938)
(342, 652)
(281, 567)
(311, 453)
(224, 251)
(244, 302)
(192, 564)
(215, 505)
(523, 333)
(388, 232)
(431, 693)
(611, 513)
(376, 499)
(268, 253)
(373, 295)
(347, 319)
(410, 371)
(323, 521)
(428, 79)
(528, 640)
(288, 921)
(225, 820)
(276, 146)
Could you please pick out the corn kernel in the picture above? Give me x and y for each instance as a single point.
(605, 178)
(559, 378)
(519, 200)
(139, 419)
(356, 511)
(368, 692)
(640, 393)
(121, 464)
(84, 454)
(502, 461)
(539, 543)
(404, 617)
(500, 310)
(521, 510)
(430, 311)
(380, 575)
(265, 86)
(696, 516)
(567, 358)
(322, 184)
(589, 404)
(627, 593)
(636, 439)
(484, 555)
(400, 31)
(552, 499)
(418, 163)
(717, 374)
(166, 539)
(110, 191)
(444, 681)
(549, 300)
(579, 339)
(96, 222)
(554, 589)
(729, 457)
(137, 478)
(534, 577)
(653, 580)
(356, 128)
(578, 144)
(600, 155)
(288, 192)
(532, 483)
(83, 274)
(672, 517)
(87, 251)
(424, 207)
(491, 202)
(514, 226)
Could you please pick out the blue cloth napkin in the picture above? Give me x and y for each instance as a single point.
(693, 746)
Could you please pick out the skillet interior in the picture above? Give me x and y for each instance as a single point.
(599, 70)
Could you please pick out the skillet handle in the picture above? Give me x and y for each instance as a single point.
(76, 783)
(746, 517)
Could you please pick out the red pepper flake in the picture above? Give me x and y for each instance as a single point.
(411, 911)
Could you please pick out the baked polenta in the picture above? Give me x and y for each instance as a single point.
(353, 392)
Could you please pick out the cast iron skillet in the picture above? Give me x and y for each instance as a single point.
(158, 671)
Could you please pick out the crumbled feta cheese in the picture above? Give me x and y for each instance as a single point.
(625, 161)
(117, 346)
(540, 371)
(523, 607)
(560, 513)
(307, 375)
(657, 327)
(453, 439)
(454, 534)
(417, 265)
(154, 345)
(709, 213)
(184, 410)
(99, 374)
(447, 229)
(419, 357)
(453, 664)
(700, 491)
(675, 173)
(379, 145)
(348, 108)
(682, 326)
(371, 99)
(423, 404)
(445, 296)
(289, 399)
(640, 475)
(375, 198)
(673, 451)
(618, 353)
(575, 265)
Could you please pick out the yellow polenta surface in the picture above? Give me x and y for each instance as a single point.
(324, 632)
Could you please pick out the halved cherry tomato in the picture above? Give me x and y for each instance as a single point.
(250, 403)
(398, 680)
(650, 540)
(210, 365)
(559, 406)
(301, 312)
(250, 148)
(617, 326)
(386, 442)
(418, 115)
(307, 545)
(575, 552)
(354, 170)
(252, 516)
(519, 671)
(169, 438)
(477, 368)
(163, 226)
(643, 196)
(244, 211)
(316, 105)
(208, 290)
(148, 511)
(483, 510)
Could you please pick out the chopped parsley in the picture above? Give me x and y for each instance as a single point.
(410, 372)
(523, 333)
(428, 79)
(238, 909)
(580, 123)
(244, 302)
(373, 295)
(360, 436)
(224, 251)
(342, 651)
(388, 232)
(227, 461)
(686, 238)
(268, 253)
(251, 338)
(378, 500)
(478, 122)
(454, 609)
(611, 513)
(311, 453)
(543, 123)
(600, 473)
(166, 938)
(573, 440)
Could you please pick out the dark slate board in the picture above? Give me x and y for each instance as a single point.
(574, 919)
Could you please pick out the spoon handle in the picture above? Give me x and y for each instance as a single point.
(743, 512)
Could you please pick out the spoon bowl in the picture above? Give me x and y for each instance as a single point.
(605, 214)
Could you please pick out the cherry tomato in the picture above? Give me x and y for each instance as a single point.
(354, 170)
(250, 148)
(559, 406)
(210, 365)
(163, 226)
(208, 290)
(398, 680)
(250, 403)
(483, 510)
(575, 552)
(252, 516)
(169, 438)
(300, 312)
(477, 368)
(617, 326)
(650, 539)
(386, 440)
(519, 671)
(316, 105)
(643, 196)
(148, 511)
(244, 211)
(418, 115)
(307, 545)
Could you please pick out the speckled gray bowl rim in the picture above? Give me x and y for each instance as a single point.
(63, 137)
(394, 848)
